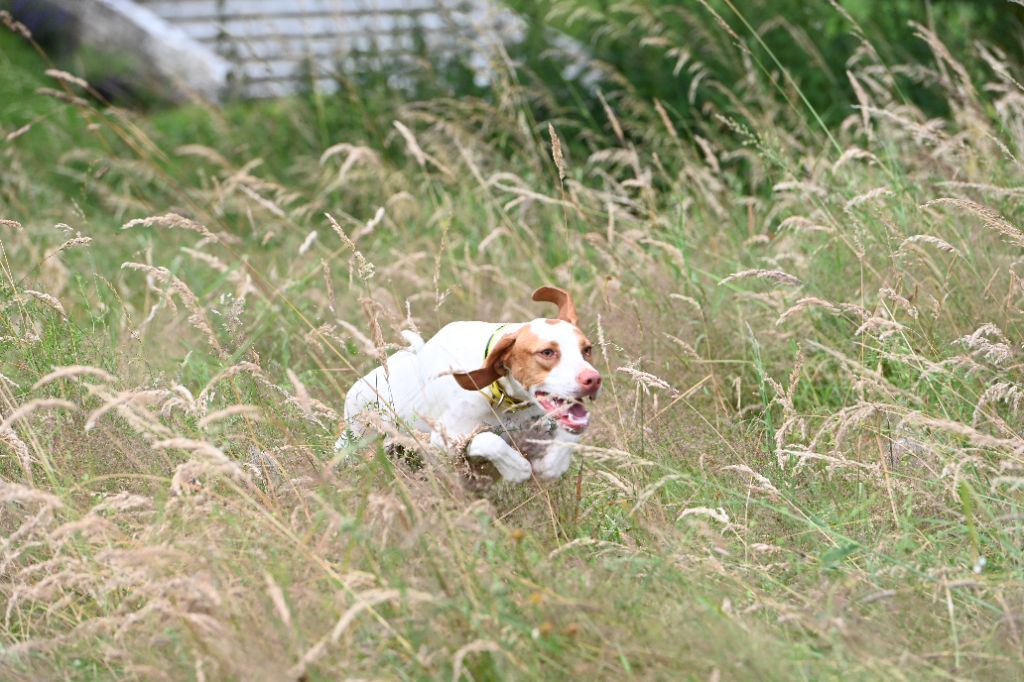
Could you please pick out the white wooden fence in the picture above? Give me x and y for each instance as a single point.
(271, 42)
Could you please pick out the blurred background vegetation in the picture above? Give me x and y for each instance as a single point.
(688, 54)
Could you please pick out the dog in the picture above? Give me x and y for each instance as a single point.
(510, 394)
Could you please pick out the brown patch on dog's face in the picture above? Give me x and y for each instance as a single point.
(532, 358)
(541, 354)
(586, 348)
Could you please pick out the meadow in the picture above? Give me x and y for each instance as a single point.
(807, 461)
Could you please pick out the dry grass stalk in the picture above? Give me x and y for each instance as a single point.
(940, 244)
(23, 494)
(207, 258)
(371, 224)
(72, 243)
(1001, 392)
(556, 144)
(805, 303)
(422, 157)
(1014, 445)
(128, 405)
(16, 26)
(62, 96)
(10, 437)
(33, 405)
(803, 224)
(862, 99)
(311, 408)
(587, 542)
(665, 120)
(302, 398)
(883, 327)
(687, 349)
(197, 317)
(854, 154)
(49, 300)
(365, 268)
(65, 77)
(172, 221)
(868, 196)
(719, 514)
(74, 371)
(474, 647)
(247, 411)
(798, 187)
(354, 153)
(898, 299)
(991, 218)
(206, 395)
(777, 276)
(835, 462)
(198, 447)
(15, 134)
(556, 151)
(307, 243)
(365, 601)
(757, 482)
(278, 599)
(647, 380)
(979, 342)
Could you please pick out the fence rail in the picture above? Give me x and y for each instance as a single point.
(276, 44)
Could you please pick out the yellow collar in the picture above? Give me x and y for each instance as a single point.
(495, 393)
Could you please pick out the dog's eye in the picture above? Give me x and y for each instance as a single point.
(548, 352)
(588, 351)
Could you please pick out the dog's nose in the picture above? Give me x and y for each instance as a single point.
(590, 380)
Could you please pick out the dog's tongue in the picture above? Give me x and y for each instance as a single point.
(577, 415)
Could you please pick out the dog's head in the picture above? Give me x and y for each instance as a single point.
(547, 360)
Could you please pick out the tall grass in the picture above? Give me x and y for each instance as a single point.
(807, 462)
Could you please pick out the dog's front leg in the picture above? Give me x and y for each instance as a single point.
(460, 427)
(558, 457)
(512, 466)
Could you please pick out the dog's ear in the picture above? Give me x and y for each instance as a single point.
(493, 368)
(561, 298)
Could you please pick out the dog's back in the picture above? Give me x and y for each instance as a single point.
(416, 384)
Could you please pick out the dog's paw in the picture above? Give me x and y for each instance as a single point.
(515, 471)
(551, 470)
(512, 466)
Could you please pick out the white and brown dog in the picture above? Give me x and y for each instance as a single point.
(522, 410)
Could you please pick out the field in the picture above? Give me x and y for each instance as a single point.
(807, 462)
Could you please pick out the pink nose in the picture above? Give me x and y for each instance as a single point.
(590, 380)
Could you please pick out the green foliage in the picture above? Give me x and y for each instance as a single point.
(691, 55)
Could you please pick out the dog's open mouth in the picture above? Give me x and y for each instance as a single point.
(569, 412)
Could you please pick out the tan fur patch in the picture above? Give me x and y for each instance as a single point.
(524, 362)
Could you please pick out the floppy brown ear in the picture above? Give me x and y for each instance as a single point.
(493, 369)
(561, 298)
